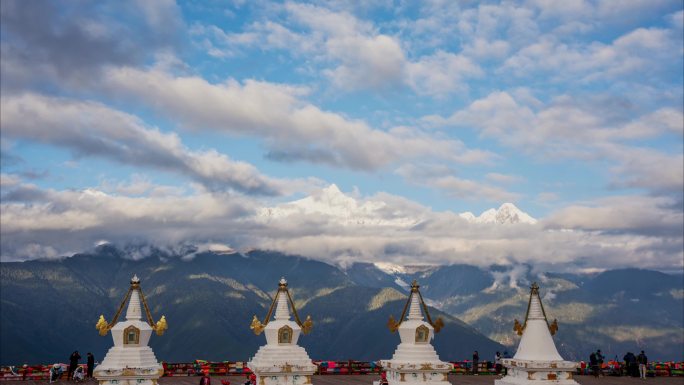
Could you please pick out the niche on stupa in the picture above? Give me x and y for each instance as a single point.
(131, 335)
(285, 335)
(422, 334)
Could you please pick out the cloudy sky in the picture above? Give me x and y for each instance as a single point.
(156, 122)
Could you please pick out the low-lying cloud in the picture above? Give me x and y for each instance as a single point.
(338, 228)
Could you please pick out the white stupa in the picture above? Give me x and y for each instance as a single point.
(130, 361)
(537, 361)
(281, 361)
(415, 361)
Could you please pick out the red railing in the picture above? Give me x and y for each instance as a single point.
(349, 367)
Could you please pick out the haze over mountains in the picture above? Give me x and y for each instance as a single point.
(49, 307)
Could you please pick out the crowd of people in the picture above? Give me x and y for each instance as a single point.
(498, 366)
(75, 372)
(633, 365)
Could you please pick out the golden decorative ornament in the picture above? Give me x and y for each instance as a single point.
(257, 326)
(161, 326)
(553, 328)
(392, 324)
(517, 327)
(102, 326)
(439, 324)
(307, 325)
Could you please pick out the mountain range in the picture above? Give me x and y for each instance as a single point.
(333, 203)
(49, 307)
(506, 213)
(619, 310)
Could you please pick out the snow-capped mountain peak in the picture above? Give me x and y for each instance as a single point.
(390, 268)
(333, 204)
(507, 213)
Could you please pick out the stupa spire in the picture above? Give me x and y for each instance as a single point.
(535, 311)
(416, 310)
(280, 304)
(134, 311)
(136, 304)
(282, 311)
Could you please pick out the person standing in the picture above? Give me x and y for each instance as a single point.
(593, 364)
(383, 379)
(506, 355)
(73, 363)
(91, 364)
(633, 365)
(599, 358)
(26, 371)
(205, 380)
(643, 361)
(476, 361)
(497, 363)
(629, 369)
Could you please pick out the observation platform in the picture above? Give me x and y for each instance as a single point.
(368, 380)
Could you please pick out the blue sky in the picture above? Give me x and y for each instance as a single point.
(416, 111)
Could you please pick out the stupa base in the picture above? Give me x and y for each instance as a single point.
(415, 377)
(527, 372)
(428, 373)
(508, 380)
(282, 365)
(129, 376)
(271, 377)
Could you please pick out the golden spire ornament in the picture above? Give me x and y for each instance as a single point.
(534, 294)
(259, 326)
(159, 327)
